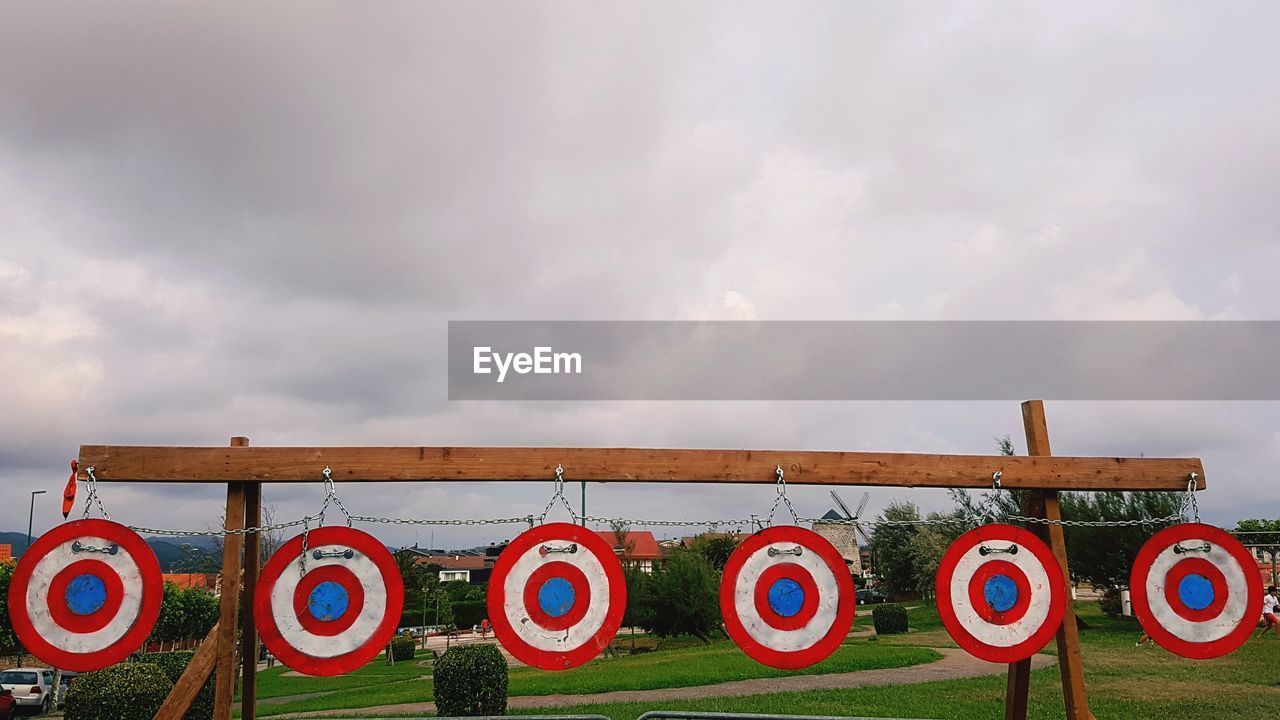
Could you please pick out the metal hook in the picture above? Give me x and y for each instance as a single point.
(545, 549)
(347, 554)
(1178, 549)
(995, 479)
(78, 546)
(984, 551)
(797, 550)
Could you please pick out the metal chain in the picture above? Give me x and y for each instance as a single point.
(557, 495)
(662, 523)
(93, 496)
(781, 487)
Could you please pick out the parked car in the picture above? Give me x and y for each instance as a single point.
(64, 683)
(870, 596)
(8, 705)
(32, 688)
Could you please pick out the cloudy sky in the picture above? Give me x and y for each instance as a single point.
(257, 221)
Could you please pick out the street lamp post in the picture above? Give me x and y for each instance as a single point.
(30, 521)
(31, 516)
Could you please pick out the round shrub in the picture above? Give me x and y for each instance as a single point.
(889, 619)
(1110, 603)
(172, 664)
(133, 691)
(471, 680)
(402, 647)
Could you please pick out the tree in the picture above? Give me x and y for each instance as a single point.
(1263, 535)
(891, 545)
(1103, 556)
(8, 640)
(682, 597)
(927, 547)
(716, 549)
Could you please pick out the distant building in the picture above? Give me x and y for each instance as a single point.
(843, 536)
(209, 582)
(6, 553)
(638, 549)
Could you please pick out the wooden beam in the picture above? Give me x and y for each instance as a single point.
(193, 678)
(1070, 664)
(248, 632)
(232, 545)
(1044, 503)
(507, 464)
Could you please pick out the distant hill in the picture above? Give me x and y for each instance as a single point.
(169, 550)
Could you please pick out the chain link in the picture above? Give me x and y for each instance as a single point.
(662, 523)
(93, 496)
(782, 498)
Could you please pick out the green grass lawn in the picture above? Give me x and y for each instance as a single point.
(1124, 682)
(681, 666)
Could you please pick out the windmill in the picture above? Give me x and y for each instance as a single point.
(853, 516)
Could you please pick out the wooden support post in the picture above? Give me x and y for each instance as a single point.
(232, 545)
(248, 632)
(192, 679)
(1044, 503)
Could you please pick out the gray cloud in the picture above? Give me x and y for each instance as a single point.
(254, 220)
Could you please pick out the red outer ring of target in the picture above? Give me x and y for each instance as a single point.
(846, 600)
(1142, 603)
(795, 573)
(148, 610)
(556, 533)
(977, 592)
(335, 574)
(286, 560)
(1024, 539)
(1196, 566)
(92, 622)
(581, 595)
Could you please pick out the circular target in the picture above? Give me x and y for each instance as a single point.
(1196, 590)
(85, 595)
(556, 596)
(787, 597)
(1001, 593)
(338, 614)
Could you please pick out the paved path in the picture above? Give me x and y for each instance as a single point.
(953, 665)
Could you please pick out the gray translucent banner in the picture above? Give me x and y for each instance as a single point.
(981, 360)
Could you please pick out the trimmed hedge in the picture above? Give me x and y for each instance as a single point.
(133, 691)
(469, 613)
(471, 680)
(402, 647)
(172, 664)
(889, 619)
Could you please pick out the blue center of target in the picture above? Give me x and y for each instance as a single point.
(1195, 591)
(556, 597)
(786, 597)
(86, 594)
(328, 601)
(1000, 592)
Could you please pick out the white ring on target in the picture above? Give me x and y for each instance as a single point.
(990, 633)
(354, 637)
(1210, 630)
(744, 600)
(556, 640)
(37, 599)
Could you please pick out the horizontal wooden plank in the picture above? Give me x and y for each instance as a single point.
(509, 464)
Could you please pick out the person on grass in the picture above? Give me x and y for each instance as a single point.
(1269, 604)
